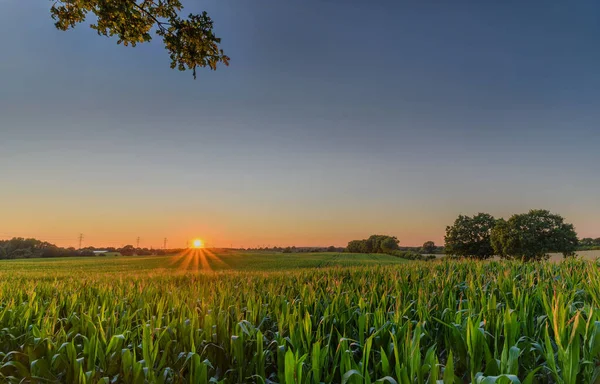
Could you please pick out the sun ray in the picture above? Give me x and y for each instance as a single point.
(197, 259)
(177, 259)
(186, 261)
(195, 256)
(205, 265)
(216, 260)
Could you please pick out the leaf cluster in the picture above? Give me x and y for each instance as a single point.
(190, 41)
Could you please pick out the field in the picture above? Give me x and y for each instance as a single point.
(193, 261)
(236, 317)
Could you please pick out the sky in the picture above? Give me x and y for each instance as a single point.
(336, 119)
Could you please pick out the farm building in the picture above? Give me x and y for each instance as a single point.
(106, 253)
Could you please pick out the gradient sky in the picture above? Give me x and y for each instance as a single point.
(336, 119)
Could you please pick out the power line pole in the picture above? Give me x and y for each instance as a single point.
(80, 239)
(138, 242)
(165, 243)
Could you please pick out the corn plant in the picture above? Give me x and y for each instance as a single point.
(443, 322)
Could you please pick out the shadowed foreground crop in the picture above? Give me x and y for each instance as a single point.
(407, 323)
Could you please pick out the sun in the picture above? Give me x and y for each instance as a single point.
(197, 243)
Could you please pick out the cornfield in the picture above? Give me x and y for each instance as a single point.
(439, 322)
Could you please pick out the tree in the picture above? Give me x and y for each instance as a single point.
(3, 251)
(191, 42)
(331, 248)
(389, 245)
(429, 247)
(128, 250)
(374, 244)
(355, 246)
(470, 236)
(532, 236)
(19, 247)
(586, 242)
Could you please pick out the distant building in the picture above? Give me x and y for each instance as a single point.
(106, 253)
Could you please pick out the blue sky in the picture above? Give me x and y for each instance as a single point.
(335, 120)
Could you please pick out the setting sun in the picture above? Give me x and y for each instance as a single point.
(197, 243)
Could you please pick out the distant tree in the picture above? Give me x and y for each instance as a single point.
(355, 246)
(331, 248)
(470, 236)
(532, 236)
(128, 250)
(86, 252)
(3, 251)
(365, 246)
(287, 250)
(143, 252)
(388, 245)
(191, 42)
(411, 255)
(22, 253)
(50, 250)
(597, 241)
(586, 242)
(429, 247)
(19, 247)
(374, 244)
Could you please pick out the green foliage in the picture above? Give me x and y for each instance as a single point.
(533, 235)
(190, 41)
(470, 236)
(429, 247)
(374, 244)
(18, 248)
(388, 244)
(589, 244)
(143, 320)
(411, 255)
(357, 246)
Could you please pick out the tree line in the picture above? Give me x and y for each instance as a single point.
(294, 249)
(390, 245)
(530, 236)
(589, 244)
(24, 248)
